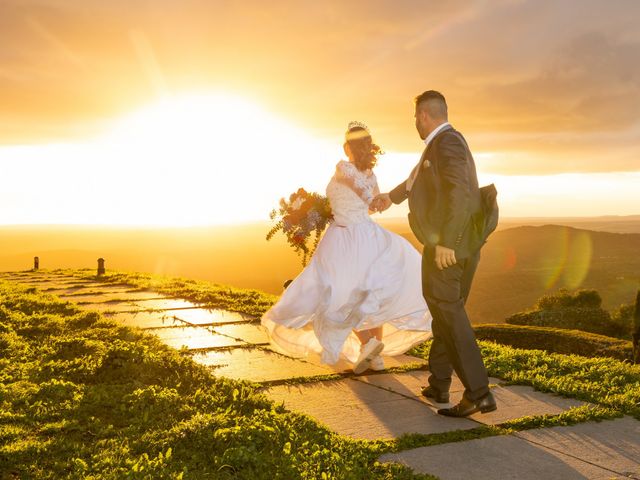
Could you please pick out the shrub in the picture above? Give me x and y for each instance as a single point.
(593, 320)
(556, 340)
(563, 298)
(578, 311)
(623, 317)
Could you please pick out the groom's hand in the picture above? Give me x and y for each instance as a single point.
(381, 202)
(445, 257)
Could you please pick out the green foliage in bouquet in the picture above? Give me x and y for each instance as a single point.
(302, 219)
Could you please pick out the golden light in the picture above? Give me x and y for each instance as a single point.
(218, 156)
(192, 159)
(215, 158)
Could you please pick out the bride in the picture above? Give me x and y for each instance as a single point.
(360, 296)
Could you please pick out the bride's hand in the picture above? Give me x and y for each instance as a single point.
(373, 206)
(381, 202)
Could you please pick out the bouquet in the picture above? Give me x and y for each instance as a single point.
(304, 215)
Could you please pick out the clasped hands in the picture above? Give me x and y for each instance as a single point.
(380, 203)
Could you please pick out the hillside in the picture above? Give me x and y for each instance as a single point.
(609, 223)
(518, 264)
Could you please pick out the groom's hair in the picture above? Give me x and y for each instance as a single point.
(434, 103)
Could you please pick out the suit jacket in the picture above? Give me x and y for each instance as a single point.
(444, 201)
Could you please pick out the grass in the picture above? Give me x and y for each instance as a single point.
(84, 398)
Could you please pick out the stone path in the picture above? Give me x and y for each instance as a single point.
(377, 405)
(605, 450)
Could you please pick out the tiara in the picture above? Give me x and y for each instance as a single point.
(355, 124)
(349, 135)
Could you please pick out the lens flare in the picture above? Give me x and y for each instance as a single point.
(510, 259)
(567, 259)
(555, 258)
(578, 261)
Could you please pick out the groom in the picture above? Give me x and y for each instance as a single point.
(443, 197)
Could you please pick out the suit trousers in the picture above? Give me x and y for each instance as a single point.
(454, 346)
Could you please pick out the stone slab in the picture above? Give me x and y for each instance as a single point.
(344, 366)
(363, 411)
(246, 332)
(110, 306)
(79, 292)
(121, 297)
(29, 278)
(513, 401)
(48, 284)
(40, 285)
(77, 282)
(612, 444)
(32, 278)
(193, 338)
(516, 401)
(204, 316)
(407, 383)
(605, 450)
(145, 319)
(166, 304)
(257, 365)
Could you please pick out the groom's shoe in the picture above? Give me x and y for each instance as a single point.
(469, 407)
(436, 395)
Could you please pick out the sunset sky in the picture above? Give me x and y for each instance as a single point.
(204, 111)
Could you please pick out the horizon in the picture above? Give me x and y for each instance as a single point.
(267, 222)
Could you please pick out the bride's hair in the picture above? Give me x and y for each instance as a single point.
(362, 148)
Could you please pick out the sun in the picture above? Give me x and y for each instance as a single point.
(209, 158)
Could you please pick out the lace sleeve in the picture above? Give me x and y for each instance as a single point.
(348, 174)
(376, 188)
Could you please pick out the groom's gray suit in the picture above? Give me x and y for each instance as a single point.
(444, 202)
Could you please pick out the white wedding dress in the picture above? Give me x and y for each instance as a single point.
(361, 276)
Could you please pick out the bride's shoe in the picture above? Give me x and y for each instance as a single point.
(377, 364)
(369, 351)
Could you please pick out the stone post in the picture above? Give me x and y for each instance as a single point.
(36, 263)
(636, 331)
(101, 270)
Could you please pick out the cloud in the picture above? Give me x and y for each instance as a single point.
(559, 80)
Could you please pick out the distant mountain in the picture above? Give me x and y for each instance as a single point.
(608, 223)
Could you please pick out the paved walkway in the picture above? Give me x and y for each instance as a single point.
(377, 405)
